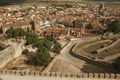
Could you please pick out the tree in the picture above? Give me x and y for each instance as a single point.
(50, 38)
(43, 57)
(9, 32)
(116, 64)
(68, 5)
(114, 27)
(47, 44)
(44, 44)
(31, 38)
(20, 31)
(57, 47)
(13, 33)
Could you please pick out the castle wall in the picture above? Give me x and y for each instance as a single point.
(26, 75)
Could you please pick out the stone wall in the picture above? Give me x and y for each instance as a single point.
(90, 76)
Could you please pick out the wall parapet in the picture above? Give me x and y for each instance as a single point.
(57, 74)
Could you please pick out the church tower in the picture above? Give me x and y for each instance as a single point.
(37, 26)
(101, 8)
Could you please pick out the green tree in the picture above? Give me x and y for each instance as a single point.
(116, 64)
(68, 5)
(44, 44)
(20, 32)
(9, 32)
(57, 47)
(13, 33)
(50, 38)
(114, 27)
(47, 44)
(31, 38)
(43, 57)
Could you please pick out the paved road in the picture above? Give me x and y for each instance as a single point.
(81, 64)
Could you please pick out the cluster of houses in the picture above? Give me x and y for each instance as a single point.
(44, 20)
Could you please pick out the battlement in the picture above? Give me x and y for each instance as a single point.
(62, 75)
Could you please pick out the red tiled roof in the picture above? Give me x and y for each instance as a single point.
(54, 30)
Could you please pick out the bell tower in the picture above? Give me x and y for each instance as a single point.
(37, 26)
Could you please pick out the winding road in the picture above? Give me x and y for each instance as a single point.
(82, 65)
(79, 63)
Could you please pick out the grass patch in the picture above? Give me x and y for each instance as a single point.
(87, 43)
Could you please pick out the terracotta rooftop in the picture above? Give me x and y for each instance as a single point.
(54, 30)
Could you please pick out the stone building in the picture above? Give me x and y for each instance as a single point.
(52, 31)
(81, 25)
(36, 26)
(30, 26)
(101, 8)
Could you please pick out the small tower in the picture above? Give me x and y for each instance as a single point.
(101, 6)
(37, 26)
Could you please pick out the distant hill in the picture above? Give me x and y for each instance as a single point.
(7, 2)
(15, 1)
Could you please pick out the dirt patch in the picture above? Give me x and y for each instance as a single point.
(64, 67)
(21, 63)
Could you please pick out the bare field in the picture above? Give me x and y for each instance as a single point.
(64, 67)
(21, 63)
(113, 5)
